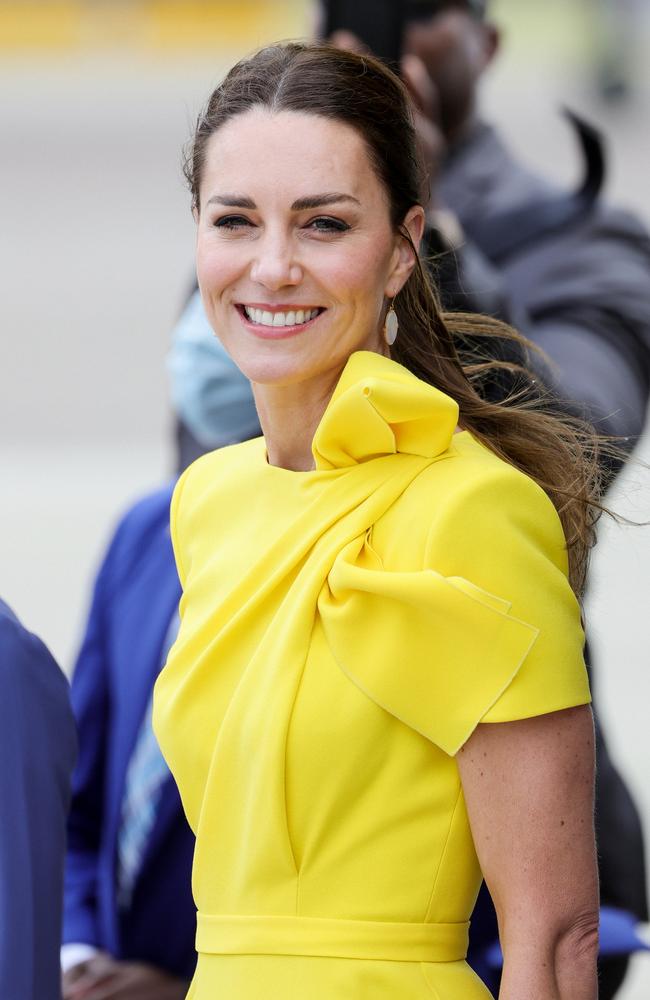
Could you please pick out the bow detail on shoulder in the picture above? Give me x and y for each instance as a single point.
(380, 408)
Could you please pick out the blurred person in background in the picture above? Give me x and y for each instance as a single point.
(568, 269)
(37, 754)
(129, 919)
(571, 272)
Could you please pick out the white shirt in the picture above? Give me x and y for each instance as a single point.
(74, 954)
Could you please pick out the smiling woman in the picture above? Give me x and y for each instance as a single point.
(312, 232)
(377, 693)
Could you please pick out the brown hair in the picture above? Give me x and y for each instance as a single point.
(558, 451)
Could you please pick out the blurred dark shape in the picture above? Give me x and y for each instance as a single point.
(377, 24)
(37, 754)
(623, 885)
(128, 908)
(513, 230)
(423, 10)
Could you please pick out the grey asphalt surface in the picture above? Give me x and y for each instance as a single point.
(96, 257)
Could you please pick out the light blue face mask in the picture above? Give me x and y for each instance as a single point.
(209, 393)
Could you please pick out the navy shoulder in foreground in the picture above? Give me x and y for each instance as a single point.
(37, 754)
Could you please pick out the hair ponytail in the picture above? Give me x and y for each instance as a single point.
(527, 429)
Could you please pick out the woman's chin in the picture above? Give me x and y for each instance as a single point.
(276, 366)
(276, 373)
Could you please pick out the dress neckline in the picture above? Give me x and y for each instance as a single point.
(378, 408)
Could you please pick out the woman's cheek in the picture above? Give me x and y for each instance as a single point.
(364, 263)
(216, 267)
(349, 273)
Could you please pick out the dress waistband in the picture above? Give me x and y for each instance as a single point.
(318, 936)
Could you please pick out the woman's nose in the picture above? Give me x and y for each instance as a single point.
(275, 265)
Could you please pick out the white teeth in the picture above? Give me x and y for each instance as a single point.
(253, 314)
(266, 318)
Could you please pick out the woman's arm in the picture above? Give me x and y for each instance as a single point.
(529, 788)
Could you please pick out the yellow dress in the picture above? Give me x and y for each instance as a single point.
(343, 632)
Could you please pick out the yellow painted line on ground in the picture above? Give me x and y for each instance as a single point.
(229, 24)
(149, 24)
(52, 25)
(550, 32)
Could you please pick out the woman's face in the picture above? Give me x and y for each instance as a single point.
(296, 255)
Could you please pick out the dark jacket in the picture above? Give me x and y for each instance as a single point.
(37, 753)
(579, 288)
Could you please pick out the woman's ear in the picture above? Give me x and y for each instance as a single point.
(414, 223)
(404, 257)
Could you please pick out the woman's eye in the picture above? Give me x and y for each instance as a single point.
(231, 222)
(324, 224)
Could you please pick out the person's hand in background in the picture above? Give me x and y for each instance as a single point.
(426, 108)
(426, 114)
(104, 978)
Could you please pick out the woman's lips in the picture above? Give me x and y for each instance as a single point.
(278, 322)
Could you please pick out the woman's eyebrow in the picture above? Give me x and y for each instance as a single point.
(319, 200)
(310, 201)
(232, 201)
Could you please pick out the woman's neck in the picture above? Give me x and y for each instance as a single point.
(289, 416)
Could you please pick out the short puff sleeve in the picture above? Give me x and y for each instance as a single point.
(504, 534)
(488, 630)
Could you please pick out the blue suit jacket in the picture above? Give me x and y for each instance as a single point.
(37, 753)
(136, 593)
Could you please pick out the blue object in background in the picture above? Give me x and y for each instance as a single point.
(210, 394)
(135, 597)
(619, 935)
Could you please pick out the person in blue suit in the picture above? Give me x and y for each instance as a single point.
(129, 918)
(37, 754)
(135, 928)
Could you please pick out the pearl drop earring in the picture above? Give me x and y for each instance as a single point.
(391, 326)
